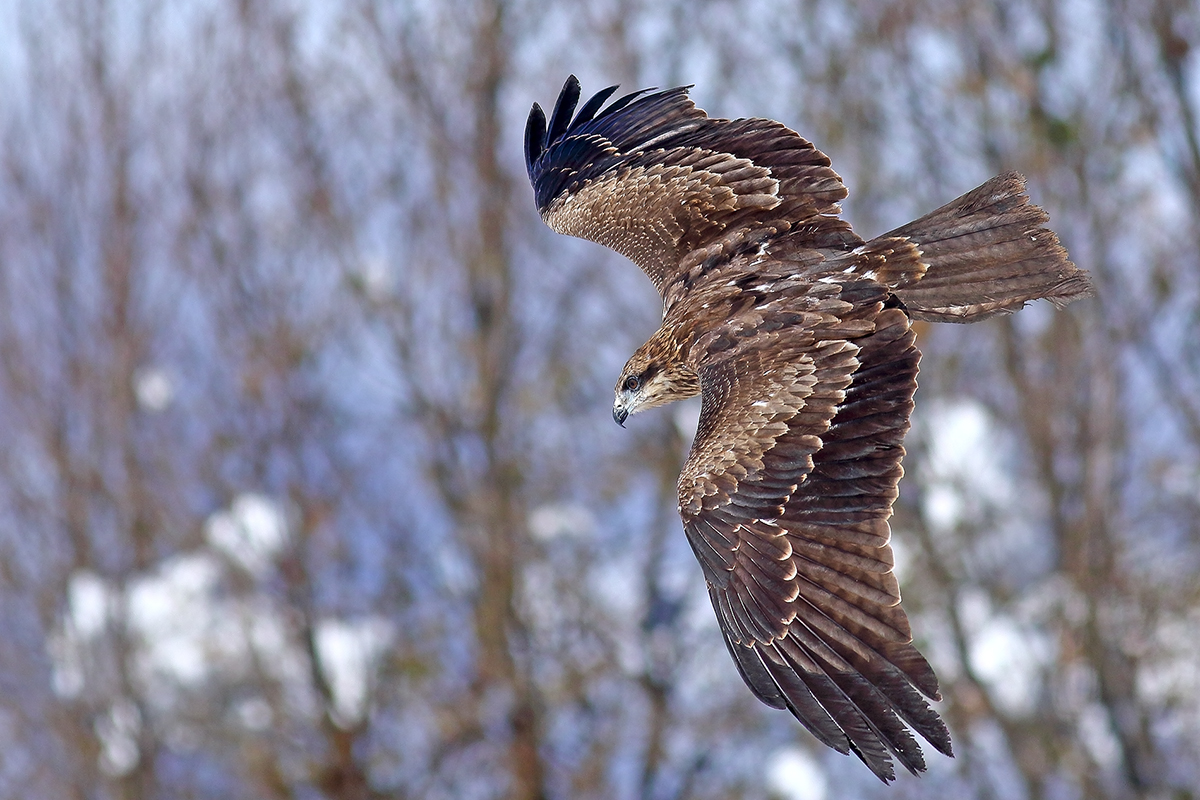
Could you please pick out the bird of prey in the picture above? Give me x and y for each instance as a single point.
(797, 334)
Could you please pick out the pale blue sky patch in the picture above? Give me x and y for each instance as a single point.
(686, 416)
(561, 520)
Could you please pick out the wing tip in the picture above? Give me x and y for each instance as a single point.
(542, 134)
(564, 109)
(535, 136)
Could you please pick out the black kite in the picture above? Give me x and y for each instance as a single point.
(797, 335)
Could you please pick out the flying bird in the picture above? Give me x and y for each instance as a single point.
(797, 335)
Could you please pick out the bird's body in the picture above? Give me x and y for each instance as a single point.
(796, 333)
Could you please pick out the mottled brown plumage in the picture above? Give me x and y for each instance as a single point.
(796, 334)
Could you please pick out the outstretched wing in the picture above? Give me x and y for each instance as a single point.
(785, 499)
(654, 178)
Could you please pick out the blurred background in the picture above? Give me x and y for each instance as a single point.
(308, 482)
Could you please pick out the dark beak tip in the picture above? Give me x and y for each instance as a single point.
(619, 415)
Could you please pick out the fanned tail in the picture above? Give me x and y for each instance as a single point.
(986, 253)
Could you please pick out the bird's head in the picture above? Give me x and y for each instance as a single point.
(650, 379)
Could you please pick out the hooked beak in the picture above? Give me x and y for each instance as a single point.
(619, 415)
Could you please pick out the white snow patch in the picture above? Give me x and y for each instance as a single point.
(962, 462)
(793, 774)
(943, 506)
(959, 439)
(1008, 656)
(153, 389)
(183, 628)
(349, 651)
(252, 532)
(91, 606)
(1095, 731)
(118, 731)
(173, 613)
(89, 601)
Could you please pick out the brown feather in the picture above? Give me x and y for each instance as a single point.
(796, 333)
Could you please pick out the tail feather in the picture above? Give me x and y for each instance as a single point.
(986, 253)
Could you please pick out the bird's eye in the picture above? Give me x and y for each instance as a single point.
(632, 383)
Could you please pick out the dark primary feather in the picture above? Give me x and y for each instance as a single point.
(588, 112)
(563, 109)
(657, 171)
(535, 136)
(798, 334)
(573, 152)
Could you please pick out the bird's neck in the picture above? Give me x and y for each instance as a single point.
(668, 349)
